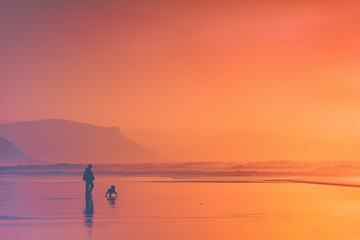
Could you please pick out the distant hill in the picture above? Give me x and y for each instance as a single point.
(245, 145)
(66, 141)
(170, 143)
(11, 155)
(185, 144)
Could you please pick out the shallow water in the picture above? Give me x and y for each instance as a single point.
(52, 208)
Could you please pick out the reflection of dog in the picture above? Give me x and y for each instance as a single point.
(110, 191)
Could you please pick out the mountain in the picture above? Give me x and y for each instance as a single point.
(170, 143)
(11, 155)
(58, 140)
(245, 145)
(187, 145)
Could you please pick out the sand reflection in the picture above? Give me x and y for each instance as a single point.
(111, 201)
(88, 212)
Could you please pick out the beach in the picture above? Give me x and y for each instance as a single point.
(150, 208)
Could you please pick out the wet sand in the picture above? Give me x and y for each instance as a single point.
(54, 208)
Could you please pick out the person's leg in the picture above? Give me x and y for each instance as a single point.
(87, 188)
(91, 187)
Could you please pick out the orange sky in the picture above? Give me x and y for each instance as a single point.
(278, 66)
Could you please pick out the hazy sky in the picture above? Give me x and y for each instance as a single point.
(279, 66)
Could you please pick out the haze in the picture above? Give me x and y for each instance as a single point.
(288, 67)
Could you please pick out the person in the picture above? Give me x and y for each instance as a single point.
(89, 179)
(110, 191)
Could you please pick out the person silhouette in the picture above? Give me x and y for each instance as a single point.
(89, 179)
(111, 191)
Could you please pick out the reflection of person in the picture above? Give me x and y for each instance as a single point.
(111, 201)
(89, 212)
(110, 191)
(89, 179)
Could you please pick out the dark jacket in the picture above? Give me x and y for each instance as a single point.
(88, 175)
